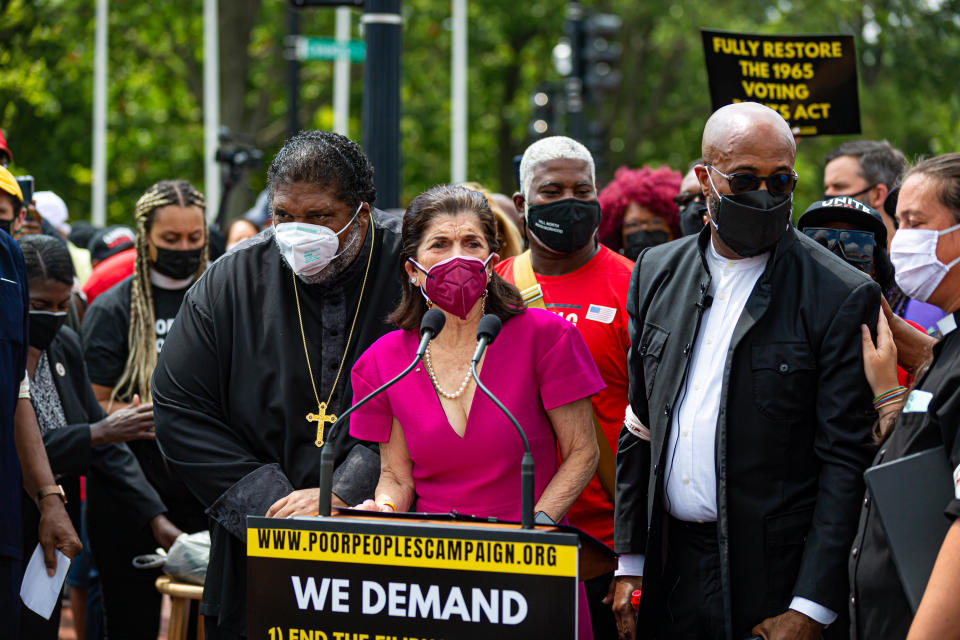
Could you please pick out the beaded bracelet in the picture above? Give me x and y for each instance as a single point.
(885, 397)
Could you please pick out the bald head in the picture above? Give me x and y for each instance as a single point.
(746, 128)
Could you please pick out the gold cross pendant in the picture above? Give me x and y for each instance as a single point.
(321, 418)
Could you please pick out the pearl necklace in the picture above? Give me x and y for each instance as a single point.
(428, 363)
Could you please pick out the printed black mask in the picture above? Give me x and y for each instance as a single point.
(564, 225)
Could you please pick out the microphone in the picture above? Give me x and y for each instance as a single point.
(487, 332)
(430, 327)
(705, 298)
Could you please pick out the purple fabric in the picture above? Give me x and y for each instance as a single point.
(538, 362)
(924, 314)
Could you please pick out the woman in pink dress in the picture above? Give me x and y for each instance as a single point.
(444, 445)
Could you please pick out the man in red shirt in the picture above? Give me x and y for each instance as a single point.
(568, 272)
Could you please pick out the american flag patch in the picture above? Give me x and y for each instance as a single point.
(601, 314)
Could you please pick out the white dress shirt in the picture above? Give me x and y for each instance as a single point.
(690, 465)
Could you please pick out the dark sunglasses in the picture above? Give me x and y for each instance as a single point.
(778, 183)
(685, 198)
(856, 247)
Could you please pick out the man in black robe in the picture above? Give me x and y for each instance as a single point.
(237, 414)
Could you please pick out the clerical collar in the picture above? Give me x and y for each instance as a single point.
(157, 279)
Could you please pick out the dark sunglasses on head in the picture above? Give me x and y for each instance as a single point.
(777, 183)
(856, 247)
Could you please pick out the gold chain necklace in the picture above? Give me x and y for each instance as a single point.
(321, 417)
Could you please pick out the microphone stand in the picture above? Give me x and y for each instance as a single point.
(327, 453)
(526, 465)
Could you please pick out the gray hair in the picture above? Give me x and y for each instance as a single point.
(325, 159)
(552, 148)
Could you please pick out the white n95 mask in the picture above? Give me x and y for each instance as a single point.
(913, 253)
(309, 248)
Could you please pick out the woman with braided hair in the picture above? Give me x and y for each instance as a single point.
(123, 332)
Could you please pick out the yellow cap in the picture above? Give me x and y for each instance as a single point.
(9, 184)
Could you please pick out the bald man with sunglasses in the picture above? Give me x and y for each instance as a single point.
(739, 468)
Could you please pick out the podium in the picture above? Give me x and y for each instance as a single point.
(361, 575)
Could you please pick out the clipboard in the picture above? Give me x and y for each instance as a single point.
(910, 495)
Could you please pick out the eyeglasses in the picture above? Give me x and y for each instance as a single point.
(856, 247)
(778, 183)
(685, 198)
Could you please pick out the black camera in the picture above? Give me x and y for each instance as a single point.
(238, 153)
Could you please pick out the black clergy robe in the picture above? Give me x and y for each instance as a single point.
(231, 391)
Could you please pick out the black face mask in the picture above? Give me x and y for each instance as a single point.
(564, 225)
(752, 222)
(639, 240)
(44, 326)
(6, 225)
(178, 264)
(691, 217)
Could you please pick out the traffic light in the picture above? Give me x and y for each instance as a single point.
(543, 122)
(601, 52)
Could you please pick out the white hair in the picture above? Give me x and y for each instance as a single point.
(552, 148)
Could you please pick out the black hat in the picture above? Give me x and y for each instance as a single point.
(81, 233)
(111, 241)
(845, 209)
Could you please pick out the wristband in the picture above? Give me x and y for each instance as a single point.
(51, 490)
(887, 396)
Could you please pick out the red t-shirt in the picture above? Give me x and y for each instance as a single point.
(903, 378)
(109, 272)
(594, 299)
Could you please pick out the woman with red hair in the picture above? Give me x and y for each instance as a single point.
(638, 209)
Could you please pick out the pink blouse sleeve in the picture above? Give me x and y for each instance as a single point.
(565, 368)
(373, 420)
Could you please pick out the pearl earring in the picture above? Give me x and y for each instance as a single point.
(413, 281)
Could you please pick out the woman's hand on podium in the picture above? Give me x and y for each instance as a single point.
(380, 504)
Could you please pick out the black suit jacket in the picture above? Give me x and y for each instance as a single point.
(793, 430)
(69, 451)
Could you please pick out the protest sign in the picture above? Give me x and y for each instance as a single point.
(340, 578)
(811, 80)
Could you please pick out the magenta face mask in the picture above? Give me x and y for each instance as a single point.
(455, 284)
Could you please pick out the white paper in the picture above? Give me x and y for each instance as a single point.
(38, 590)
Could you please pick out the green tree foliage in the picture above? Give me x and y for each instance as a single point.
(907, 49)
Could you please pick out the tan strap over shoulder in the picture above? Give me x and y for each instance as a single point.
(526, 281)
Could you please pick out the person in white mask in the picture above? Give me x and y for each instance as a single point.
(257, 365)
(926, 254)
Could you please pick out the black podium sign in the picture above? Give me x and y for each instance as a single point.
(811, 80)
(378, 579)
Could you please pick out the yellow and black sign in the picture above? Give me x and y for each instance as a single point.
(810, 80)
(354, 578)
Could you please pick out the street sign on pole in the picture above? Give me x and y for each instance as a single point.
(313, 48)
